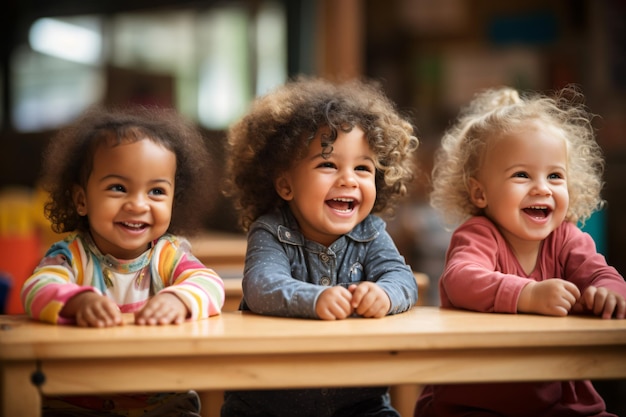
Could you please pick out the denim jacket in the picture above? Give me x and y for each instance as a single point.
(286, 273)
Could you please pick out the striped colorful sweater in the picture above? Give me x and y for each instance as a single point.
(75, 264)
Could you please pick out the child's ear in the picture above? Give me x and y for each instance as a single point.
(80, 200)
(477, 193)
(283, 187)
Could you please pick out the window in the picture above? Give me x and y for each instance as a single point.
(207, 63)
(53, 82)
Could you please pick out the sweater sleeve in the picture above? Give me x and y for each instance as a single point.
(181, 273)
(480, 274)
(387, 268)
(269, 286)
(582, 264)
(55, 280)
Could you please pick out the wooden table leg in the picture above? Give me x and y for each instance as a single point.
(211, 403)
(19, 397)
(403, 398)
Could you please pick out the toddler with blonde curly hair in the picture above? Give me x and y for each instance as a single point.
(518, 172)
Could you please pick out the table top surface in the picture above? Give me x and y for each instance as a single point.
(422, 328)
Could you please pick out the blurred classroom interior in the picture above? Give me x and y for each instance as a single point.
(210, 58)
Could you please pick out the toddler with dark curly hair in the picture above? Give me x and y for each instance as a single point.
(310, 163)
(124, 183)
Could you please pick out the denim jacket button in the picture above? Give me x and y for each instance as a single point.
(324, 257)
(325, 281)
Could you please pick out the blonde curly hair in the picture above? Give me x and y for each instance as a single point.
(497, 111)
(275, 134)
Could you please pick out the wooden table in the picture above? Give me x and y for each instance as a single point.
(243, 350)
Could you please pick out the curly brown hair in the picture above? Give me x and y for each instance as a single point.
(275, 133)
(502, 110)
(68, 161)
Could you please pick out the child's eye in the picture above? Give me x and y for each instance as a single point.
(117, 187)
(556, 176)
(157, 191)
(366, 168)
(520, 174)
(326, 165)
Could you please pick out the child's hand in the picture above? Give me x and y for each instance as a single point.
(552, 297)
(334, 304)
(369, 300)
(602, 302)
(164, 308)
(91, 309)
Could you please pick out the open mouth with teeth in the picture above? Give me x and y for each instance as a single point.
(134, 226)
(538, 211)
(344, 205)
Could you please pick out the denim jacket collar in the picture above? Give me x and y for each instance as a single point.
(289, 232)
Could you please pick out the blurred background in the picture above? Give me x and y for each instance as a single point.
(209, 59)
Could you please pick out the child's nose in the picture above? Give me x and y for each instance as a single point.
(347, 179)
(136, 203)
(542, 187)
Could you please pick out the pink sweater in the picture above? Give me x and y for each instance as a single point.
(482, 274)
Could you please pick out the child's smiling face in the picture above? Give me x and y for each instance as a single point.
(522, 185)
(330, 193)
(128, 197)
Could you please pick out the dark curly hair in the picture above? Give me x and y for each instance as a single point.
(275, 133)
(68, 161)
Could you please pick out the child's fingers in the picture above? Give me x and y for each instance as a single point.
(334, 311)
(604, 303)
(162, 310)
(99, 315)
(81, 320)
(374, 310)
(357, 295)
(340, 310)
(372, 303)
(588, 298)
(610, 305)
(620, 310)
(334, 304)
(112, 313)
(598, 301)
(340, 306)
(573, 293)
(606, 308)
(150, 315)
(366, 303)
(170, 315)
(360, 292)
